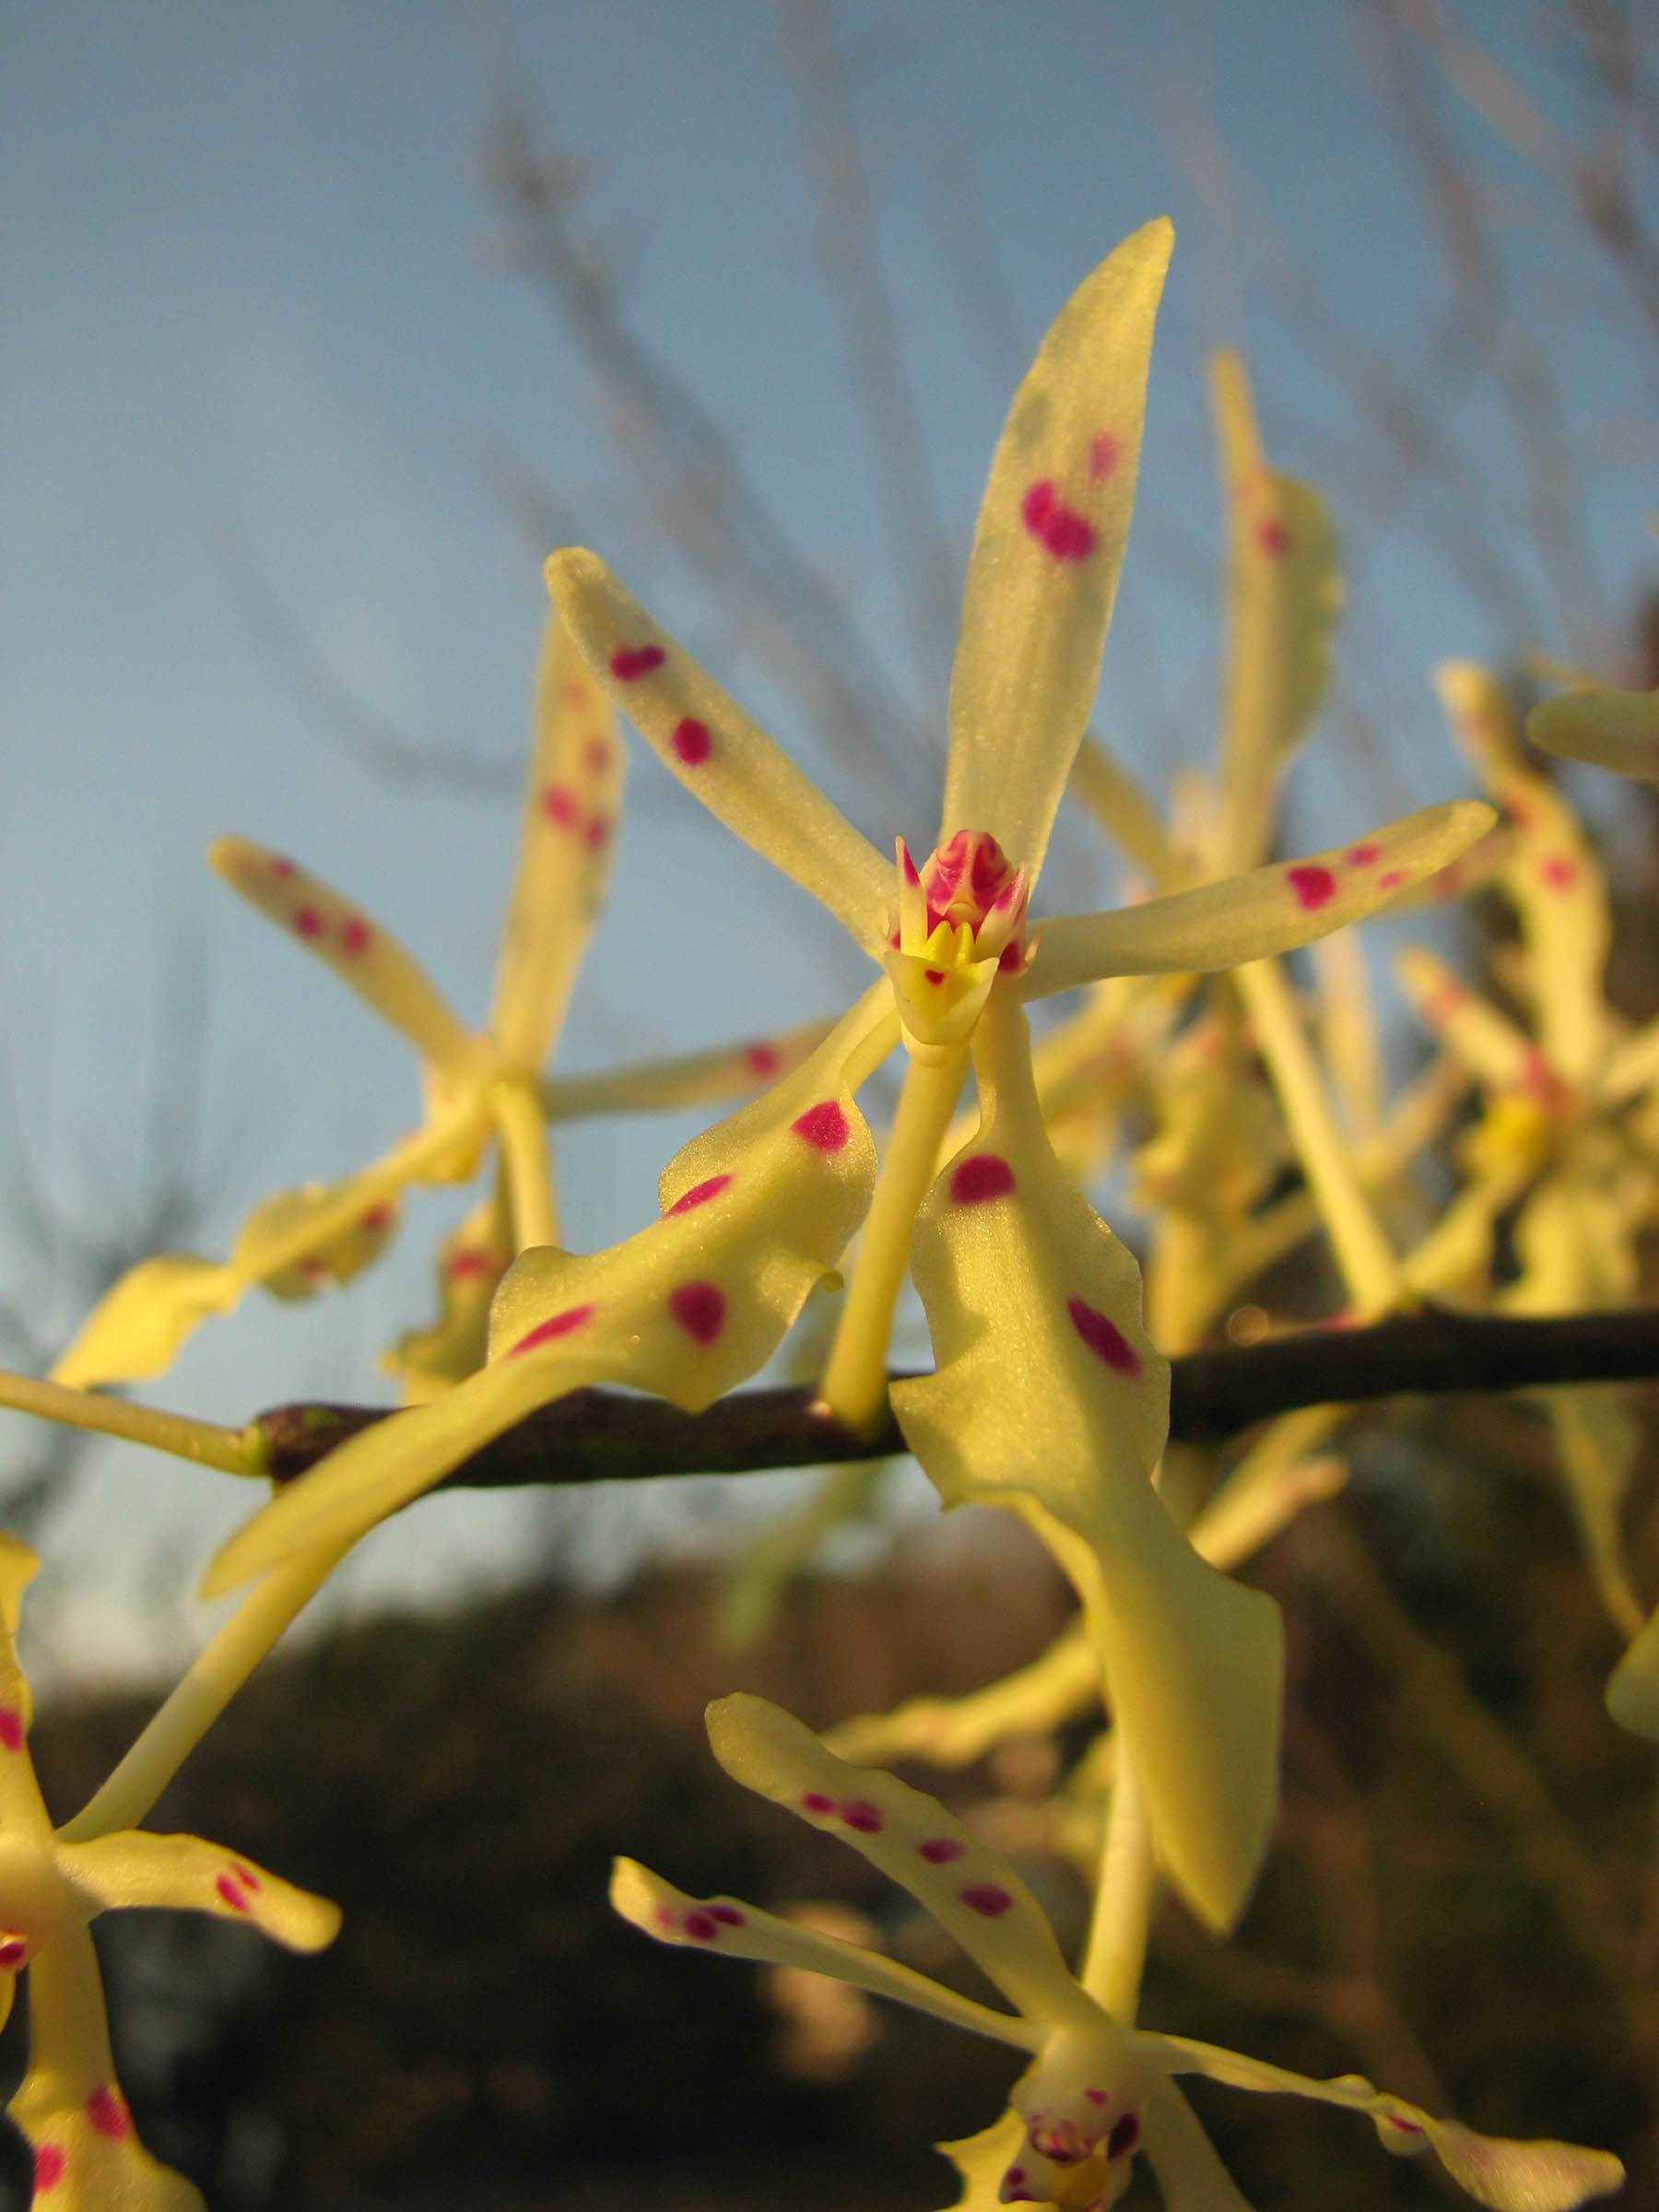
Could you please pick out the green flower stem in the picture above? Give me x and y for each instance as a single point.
(223, 1665)
(855, 1385)
(203, 1442)
(515, 1108)
(1117, 1952)
(1363, 1251)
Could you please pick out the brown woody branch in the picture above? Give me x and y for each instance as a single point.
(604, 1436)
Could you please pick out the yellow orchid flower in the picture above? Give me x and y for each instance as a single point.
(1098, 2089)
(958, 957)
(479, 1089)
(70, 2107)
(1611, 729)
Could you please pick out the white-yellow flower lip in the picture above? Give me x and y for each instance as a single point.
(958, 922)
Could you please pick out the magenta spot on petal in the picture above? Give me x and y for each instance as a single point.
(596, 833)
(1010, 958)
(893, 940)
(355, 933)
(815, 1801)
(1557, 872)
(11, 1728)
(309, 922)
(911, 875)
(14, 1951)
(1058, 529)
(985, 1175)
(863, 1815)
(282, 870)
(462, 1263)
(1314, 886)
(692, 741)
(597, 756)
(629, 663)
(1103, 1338)
(700, 1307)
(987, 1897)
(1273, 537)
(1098, 2097)
(374, 1220)
(558, 803)
(824, 1126)
(727, 1915)
(1015, 2179)
(762, 1059)
(1361, 856)
(702, 1926)
(233, 1892)
(556, 1325)
(934, 975)
(938, 1851)
(1392, 880)
(48, 2167)
(1124, 2136)
(245, 1875)
(698, 1194)
(1102, 455)
(107, 2113)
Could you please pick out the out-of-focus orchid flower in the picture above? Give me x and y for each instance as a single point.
(1098, 2088)
(1611, 729)
(480, 1089)
(70, 2106)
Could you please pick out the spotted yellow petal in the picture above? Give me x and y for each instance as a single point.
(1047, 551)
(1283, 597)
(132, 1867)
(471, 1262)
(136, 1328)
(722, 758)
(332, 1230)
(1047, 554)
(366, 958)
(1485, 1041)
(970, 1888)
(1613, 729)
(1047, 1393)
(730, 1929)
(1246, 917)
(755, 1212)
(571, 802)
(1508, 2176)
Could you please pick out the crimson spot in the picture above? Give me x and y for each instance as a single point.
(938, 1851)
(107, 2113)
(987, 1897)
(1314, 886)
(558, 803)
(556, 1325)
(629, 663)
(48, 2167)
(700, 1307)
(1058, 529)
(692, 741)
(863, 1815)
(986, 1175)
(698, 1194)
(823, 1126)
(1103, 1338)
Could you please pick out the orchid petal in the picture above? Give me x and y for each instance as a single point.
(970, 1888)
(364, 955)
(982, 2161)
(1507, 2175)
(1244, 918)
(735, 1930)
(1047, 1393)
(1283, 597)
(1488, 1043)
(687, 1079)
(334, 1230)
(756, 1211)
(22, 1809)
(577, 768)
(1191, 2177)
(471, 1262)
(1552, 876)
(721, 756)
(1612, 729)
(1047, 554)
(135, 1329)
(1633, 1685)
(135, 1868)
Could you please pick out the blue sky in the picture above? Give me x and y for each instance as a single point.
(253, 313)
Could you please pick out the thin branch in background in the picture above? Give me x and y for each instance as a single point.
(712, 512)
(1555, 497)
(336, 710)
(1593, 184)
(873, 349)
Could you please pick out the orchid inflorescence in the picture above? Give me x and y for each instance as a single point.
(1048, 1394)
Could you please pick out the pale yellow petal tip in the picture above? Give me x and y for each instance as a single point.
(633, 1893)
(1632, 1693)
(569, 568)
